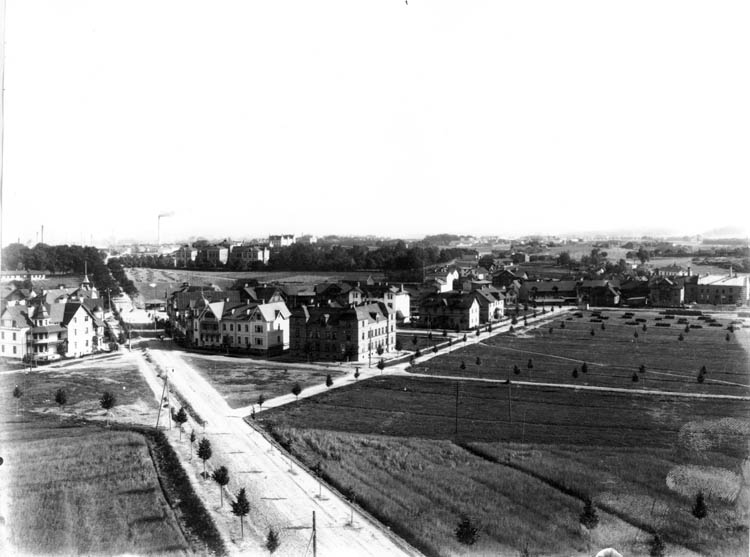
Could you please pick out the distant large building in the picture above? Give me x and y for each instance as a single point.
(212, 255)
(281, 240)
(354, 334)
(717, 290)
(249, 254)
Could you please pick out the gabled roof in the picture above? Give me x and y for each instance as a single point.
(19, 314)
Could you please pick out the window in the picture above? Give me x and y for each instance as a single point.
(247, 328)
(14, 349)
(231, 327)
(259, 328)
(259, 341)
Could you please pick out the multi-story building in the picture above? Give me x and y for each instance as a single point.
(236, 325)
(212, 255)
(451, 310)
(185, 256)
(355, 334)
(257, 327)
(249, 254)
(396, 298)
(44, 332)
(666, 292)
(491, 304)
(717, 290)
(281, 240)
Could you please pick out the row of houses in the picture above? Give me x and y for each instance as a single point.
(659, 291)
(338, 321)
(46, 325)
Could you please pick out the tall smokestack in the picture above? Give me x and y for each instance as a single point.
(42, 233)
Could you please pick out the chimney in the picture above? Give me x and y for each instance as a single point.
(689, 271)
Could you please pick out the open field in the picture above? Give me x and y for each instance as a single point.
(638, 430)
(84, 381)
(612, 355)
(82, 489)
(241, 380)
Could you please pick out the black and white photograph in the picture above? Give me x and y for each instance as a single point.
(409, 278)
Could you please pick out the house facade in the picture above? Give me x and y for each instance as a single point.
(451, 310)
(354, 334)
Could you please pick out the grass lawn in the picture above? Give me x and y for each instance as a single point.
(84, 490)
(644, 433)
(241, 380)
(612, 354)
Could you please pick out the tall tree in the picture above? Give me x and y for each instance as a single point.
(204, 452)
(221, 477)
(240, 507)
(192, 442)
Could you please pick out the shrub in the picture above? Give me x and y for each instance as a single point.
(589, 517)
(656, 547)
(272, 540)
(699, 509)
(466, 532)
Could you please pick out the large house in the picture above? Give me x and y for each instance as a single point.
(45, 332)
(450, 310)
(395, 297)
(242, 326)
(491, 304)
(666, 292)
(354, 334)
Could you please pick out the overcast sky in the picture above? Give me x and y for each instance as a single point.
(252, 118)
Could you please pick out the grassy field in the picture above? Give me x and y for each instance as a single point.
(421, 487)
(241, 380)
(423, 411)
(73, 486)
(652, 486)
(84, 381)
(612, 355)
(84, 490)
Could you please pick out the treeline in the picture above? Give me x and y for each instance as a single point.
(118, 272)
(61, 260)
(395, 257)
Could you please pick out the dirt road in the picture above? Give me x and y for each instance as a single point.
(278, 498)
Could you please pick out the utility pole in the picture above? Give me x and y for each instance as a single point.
(315, 538)
(456, 428)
